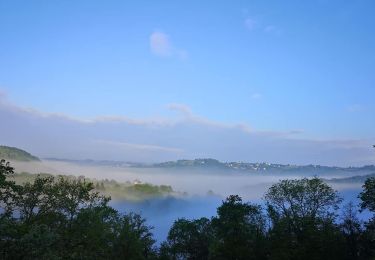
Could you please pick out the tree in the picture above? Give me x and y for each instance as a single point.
(62, 218)
(352, 230)
(189, 239)
(303, 214)
(8, 225)
(93, 233)
(239, 230)
(303, 198)
(134, 239)
(367, 197)
(8, 189)
(33, 201)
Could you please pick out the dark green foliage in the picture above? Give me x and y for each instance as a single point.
(368, 202)
(302, 214)
(7, 188)
(368, 195)
(352, 230)
(189, 239)
(134, 239)
(368, 240)
(302, 199)
(66, 219)
(239, 230)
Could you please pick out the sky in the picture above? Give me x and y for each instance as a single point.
(279, 81)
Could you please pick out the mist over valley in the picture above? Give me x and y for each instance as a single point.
(197, 186)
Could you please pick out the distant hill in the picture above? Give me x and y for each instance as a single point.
(265, 167)
(192, 163)
(12, 153)
(352, 179)
(244, 167)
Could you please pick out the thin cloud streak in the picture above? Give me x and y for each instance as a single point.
(189, 136)
(142, 147)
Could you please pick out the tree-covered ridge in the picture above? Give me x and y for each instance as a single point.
(116, 190)
(352, 179)
(66, 218)
(262, 167)
(16, 154)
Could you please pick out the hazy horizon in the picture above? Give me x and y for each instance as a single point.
(54, 135)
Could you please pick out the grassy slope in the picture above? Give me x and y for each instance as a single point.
(12, 153)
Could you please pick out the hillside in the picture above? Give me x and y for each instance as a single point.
(15, 154)
(266, 167)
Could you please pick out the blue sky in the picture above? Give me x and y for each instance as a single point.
(275, 66)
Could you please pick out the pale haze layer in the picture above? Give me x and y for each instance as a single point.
(186, 136)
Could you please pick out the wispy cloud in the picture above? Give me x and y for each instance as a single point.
(161, 46)
(3, 94)
(355, 108)
(182, 108)
(256, 96)
(188, 116)
(272, 29)
(142, 147)
(188, 136)
(253, 24)
(250, 24)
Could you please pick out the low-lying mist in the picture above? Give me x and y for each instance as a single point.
(192, 181)
(200, 191)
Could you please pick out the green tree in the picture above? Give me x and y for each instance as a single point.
(134, 239)
(303, 214)
(8, 225)
(303, 198)
(239, 230)
(61, 218)
(8, 188)
(190, 239)
(352, 230)
(92, 233)
(367, 197)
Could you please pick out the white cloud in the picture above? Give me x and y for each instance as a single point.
(256, 96)
(355, 108)
(271, 29)
(161, 46)
(250, 23)
(182, 54)
(142, 147)
(182, 108)
(3, 95)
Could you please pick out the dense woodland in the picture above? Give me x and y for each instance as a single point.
(59, 218)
